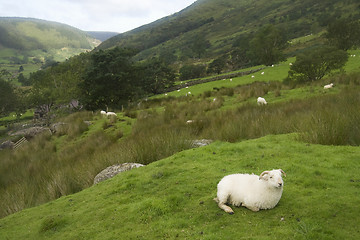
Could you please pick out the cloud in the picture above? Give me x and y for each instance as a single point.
(95, 15)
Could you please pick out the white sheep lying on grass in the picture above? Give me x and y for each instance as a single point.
(328, 86)
(261, 101)
(250, 191)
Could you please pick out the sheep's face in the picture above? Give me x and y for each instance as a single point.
(274, 178)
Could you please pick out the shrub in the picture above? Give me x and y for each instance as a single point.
(314, 64)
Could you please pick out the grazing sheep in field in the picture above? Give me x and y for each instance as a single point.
(262, 73)
(103, 113)
(252, 76)
(111, 114)
(250, 191)
(328, 86)
(261, 101)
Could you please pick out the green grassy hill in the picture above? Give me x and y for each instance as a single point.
(172, 198)
(309, 132)
(29, 42)
(223, 21)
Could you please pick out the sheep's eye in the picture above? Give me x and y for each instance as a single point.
(270, 177)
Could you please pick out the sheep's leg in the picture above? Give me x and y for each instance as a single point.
(223, 206)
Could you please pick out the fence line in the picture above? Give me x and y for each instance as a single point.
(20, 142)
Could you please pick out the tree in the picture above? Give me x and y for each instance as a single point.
(58, 84)
(8, 100)
(217, 65)
(344, 33)
(192, 71)
(267, 45)
(200, 45)
(12, 98)
(167, 56)
(315, 63)
(110, 79)
(155, 76)
(23, 80)
(239, 56)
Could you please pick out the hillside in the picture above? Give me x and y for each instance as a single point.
(172, 198)
(312, 133)
(222, 22)
(33, 41)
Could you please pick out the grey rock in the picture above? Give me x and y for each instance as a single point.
(58, 127)
(111, 171)
(7, 144)
(31, 132)
(201, 142)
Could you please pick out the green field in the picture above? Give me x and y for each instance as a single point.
(304, 130)
(172, 198)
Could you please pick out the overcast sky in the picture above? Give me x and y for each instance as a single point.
(94, 15)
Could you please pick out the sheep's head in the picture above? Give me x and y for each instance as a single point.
(274, 177)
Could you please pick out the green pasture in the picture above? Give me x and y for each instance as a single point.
(172, 198)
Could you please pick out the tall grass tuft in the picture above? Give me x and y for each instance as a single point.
(336, 121)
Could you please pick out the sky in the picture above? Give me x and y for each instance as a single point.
(94, 15)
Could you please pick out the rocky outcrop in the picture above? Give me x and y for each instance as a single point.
(31, 132)
(58, 127)
(7, 145)
(200, 143)
(111, 171)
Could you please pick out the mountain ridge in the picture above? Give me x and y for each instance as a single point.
(223, 21)
(24, 39)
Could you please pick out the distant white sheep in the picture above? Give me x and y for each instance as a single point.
(111, 114)
(103, 113)
(328, 86)
(261, 101)
(250, 191)
(262, 73)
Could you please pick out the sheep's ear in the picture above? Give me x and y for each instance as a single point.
(262, 174)
(282, 172)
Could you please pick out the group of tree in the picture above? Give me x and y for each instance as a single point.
(12, 98)
(105, 78)
(313, 64)
(113, 79)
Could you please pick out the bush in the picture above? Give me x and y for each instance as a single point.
(192, 71)
(314, 64)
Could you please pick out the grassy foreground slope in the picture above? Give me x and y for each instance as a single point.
(172, 198)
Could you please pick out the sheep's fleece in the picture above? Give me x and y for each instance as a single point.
(250, 191)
